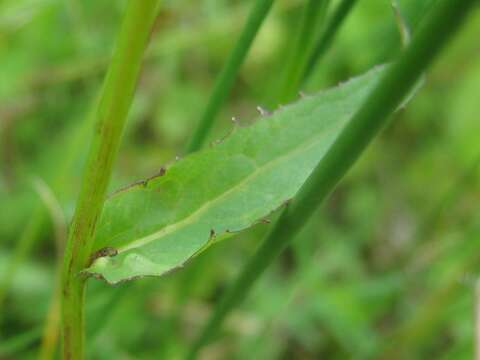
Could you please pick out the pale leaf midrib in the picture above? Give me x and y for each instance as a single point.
(210, 203)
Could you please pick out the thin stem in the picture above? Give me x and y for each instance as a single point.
(229, 72)
(357, 135)
(313, 16)
(326, 38)
(30, 234)
(115, 101)
(52, 323)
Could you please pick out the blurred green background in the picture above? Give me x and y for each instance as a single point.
(386, 268)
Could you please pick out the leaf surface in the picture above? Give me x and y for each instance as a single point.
(155, 226)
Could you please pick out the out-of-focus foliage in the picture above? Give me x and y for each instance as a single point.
(386, 268)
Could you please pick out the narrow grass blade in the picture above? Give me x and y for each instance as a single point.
(229, 72)
(326, 38)
(443, 22)
(313, 16)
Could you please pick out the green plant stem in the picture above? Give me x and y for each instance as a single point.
(68, 73)
(328, 34)
(229, 72)
(313, 17)
(442, 23)
(51, 329)
(115, 101)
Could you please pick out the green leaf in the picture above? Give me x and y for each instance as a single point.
(155, 226)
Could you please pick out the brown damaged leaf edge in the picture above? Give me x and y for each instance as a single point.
(140, 183)
(103, 252)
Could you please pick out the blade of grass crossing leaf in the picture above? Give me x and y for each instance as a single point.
(445, 19)
(220, 92)
(229, 72)
(115, 101)
(324, 41)
(313, 17)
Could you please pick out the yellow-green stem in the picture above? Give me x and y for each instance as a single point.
(115, 101)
